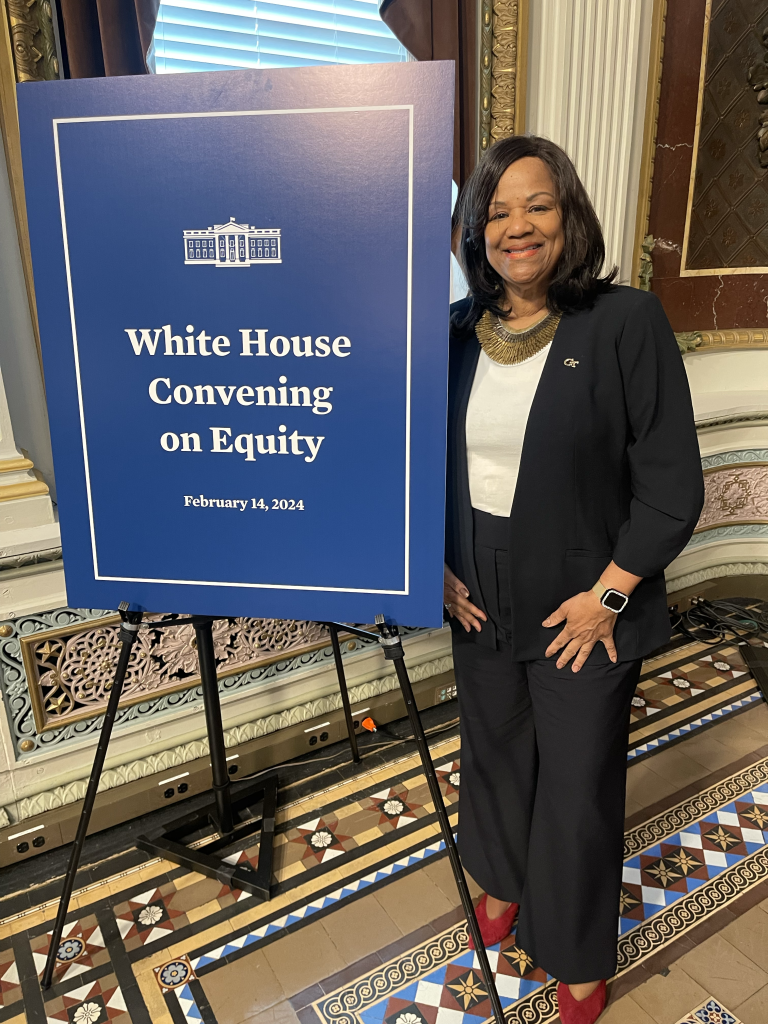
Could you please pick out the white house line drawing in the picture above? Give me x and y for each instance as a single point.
(232, 245)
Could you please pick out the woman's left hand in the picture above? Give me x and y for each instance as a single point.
(587, 622)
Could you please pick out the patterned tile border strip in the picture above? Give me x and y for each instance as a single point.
(83, 891)
(647, 834)
(188, 1006)
(541, 1005)
(346, 1005)
(689, 727)
(307, 910)
(682, 915)
(658, 828)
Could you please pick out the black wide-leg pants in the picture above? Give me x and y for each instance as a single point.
(543, 777)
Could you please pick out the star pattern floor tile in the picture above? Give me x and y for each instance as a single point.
(149, 916)
(672, 688)
(445, 985)
(82, 947)
(663, 873)
(710, 1012)
(321, 839)
(95, 1002)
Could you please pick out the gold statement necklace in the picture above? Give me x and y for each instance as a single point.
(510, 347)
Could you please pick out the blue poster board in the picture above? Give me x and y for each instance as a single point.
(242, 283)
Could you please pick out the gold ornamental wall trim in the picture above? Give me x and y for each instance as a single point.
(21, 38)
(25, 489)
(32, 40)
(650, 132)
(503, 70)
(70, 670)
(733, 339)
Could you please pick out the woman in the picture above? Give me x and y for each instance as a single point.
(574, 480)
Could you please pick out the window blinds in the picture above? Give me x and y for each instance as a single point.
(214, 35)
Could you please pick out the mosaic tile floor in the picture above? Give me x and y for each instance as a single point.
(699, 853)
(137, 944)
(673, 878)
(686, 680)
(686, 690)
(710, 1012)
(371, 829)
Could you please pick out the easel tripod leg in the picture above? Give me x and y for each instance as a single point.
(395, 653)
(344, 692)
(206, 656)
(128, 632)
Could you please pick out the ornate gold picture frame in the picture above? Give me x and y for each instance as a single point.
(503, 70)
(741, 116)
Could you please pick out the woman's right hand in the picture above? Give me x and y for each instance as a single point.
(456, 598)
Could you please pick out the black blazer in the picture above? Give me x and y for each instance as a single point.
(610, 469)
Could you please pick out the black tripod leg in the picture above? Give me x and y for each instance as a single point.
(344, 693)
(207, 658)
(128, 632)
(394, 652)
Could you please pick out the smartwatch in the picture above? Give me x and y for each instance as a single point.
(610, 598)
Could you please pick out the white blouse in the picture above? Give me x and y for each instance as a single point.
(497, 414)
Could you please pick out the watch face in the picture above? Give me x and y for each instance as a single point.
(614, 600)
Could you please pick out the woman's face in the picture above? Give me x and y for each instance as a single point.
(524, 234)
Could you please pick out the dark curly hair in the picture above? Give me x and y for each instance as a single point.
(577, 279)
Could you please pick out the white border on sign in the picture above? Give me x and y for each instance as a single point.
(247, 113)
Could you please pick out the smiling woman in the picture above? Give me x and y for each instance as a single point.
(533, 178)
(573, 481)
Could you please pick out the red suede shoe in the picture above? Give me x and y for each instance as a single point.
(494, 929)
(584, 1011)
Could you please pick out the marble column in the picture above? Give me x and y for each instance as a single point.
(587, 80)
(31, 569)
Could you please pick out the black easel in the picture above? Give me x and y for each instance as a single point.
(238, 818)
(392, 646)
(252, 811)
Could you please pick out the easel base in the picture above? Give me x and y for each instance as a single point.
(171, 842)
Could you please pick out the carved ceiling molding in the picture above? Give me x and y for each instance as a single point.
(33, 41)
(503, 69)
